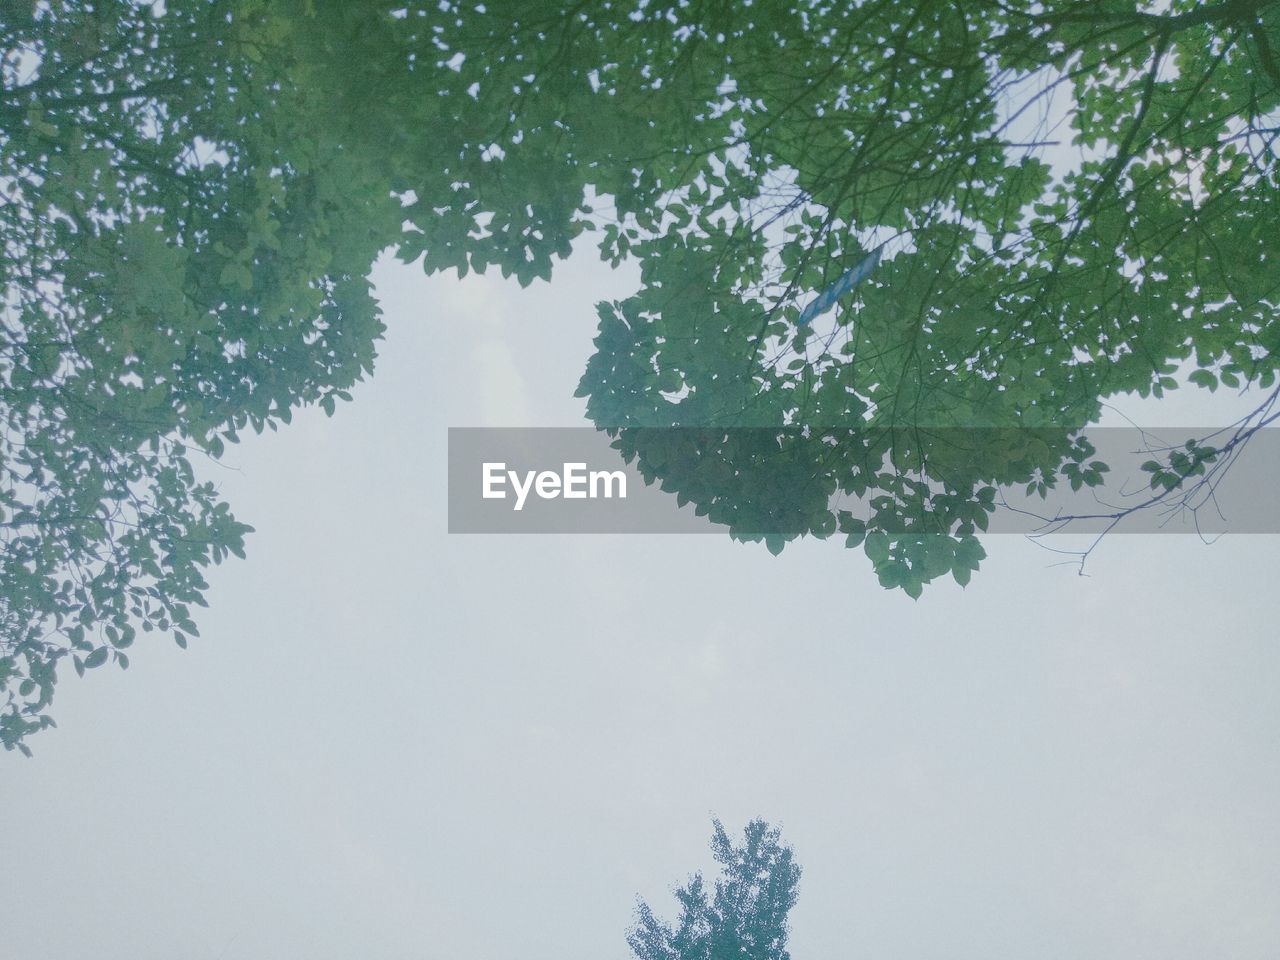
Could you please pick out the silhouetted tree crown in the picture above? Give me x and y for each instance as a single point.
(744, 916)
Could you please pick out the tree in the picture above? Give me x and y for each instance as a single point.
(193, 193)
(187, 240)
(748, 158)
(1015, 295)
(744, 918)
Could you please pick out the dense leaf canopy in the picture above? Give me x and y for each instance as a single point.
(186, 242)
(1070, 203)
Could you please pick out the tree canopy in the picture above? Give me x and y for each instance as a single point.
(743, 917)
(185, 255)
(1068, 203)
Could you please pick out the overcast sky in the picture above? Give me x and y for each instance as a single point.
(394, 743)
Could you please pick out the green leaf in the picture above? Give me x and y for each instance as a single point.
(1204, 378)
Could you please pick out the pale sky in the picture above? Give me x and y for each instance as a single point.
(394, 743)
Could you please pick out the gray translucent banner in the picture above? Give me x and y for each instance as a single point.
(577, 480)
